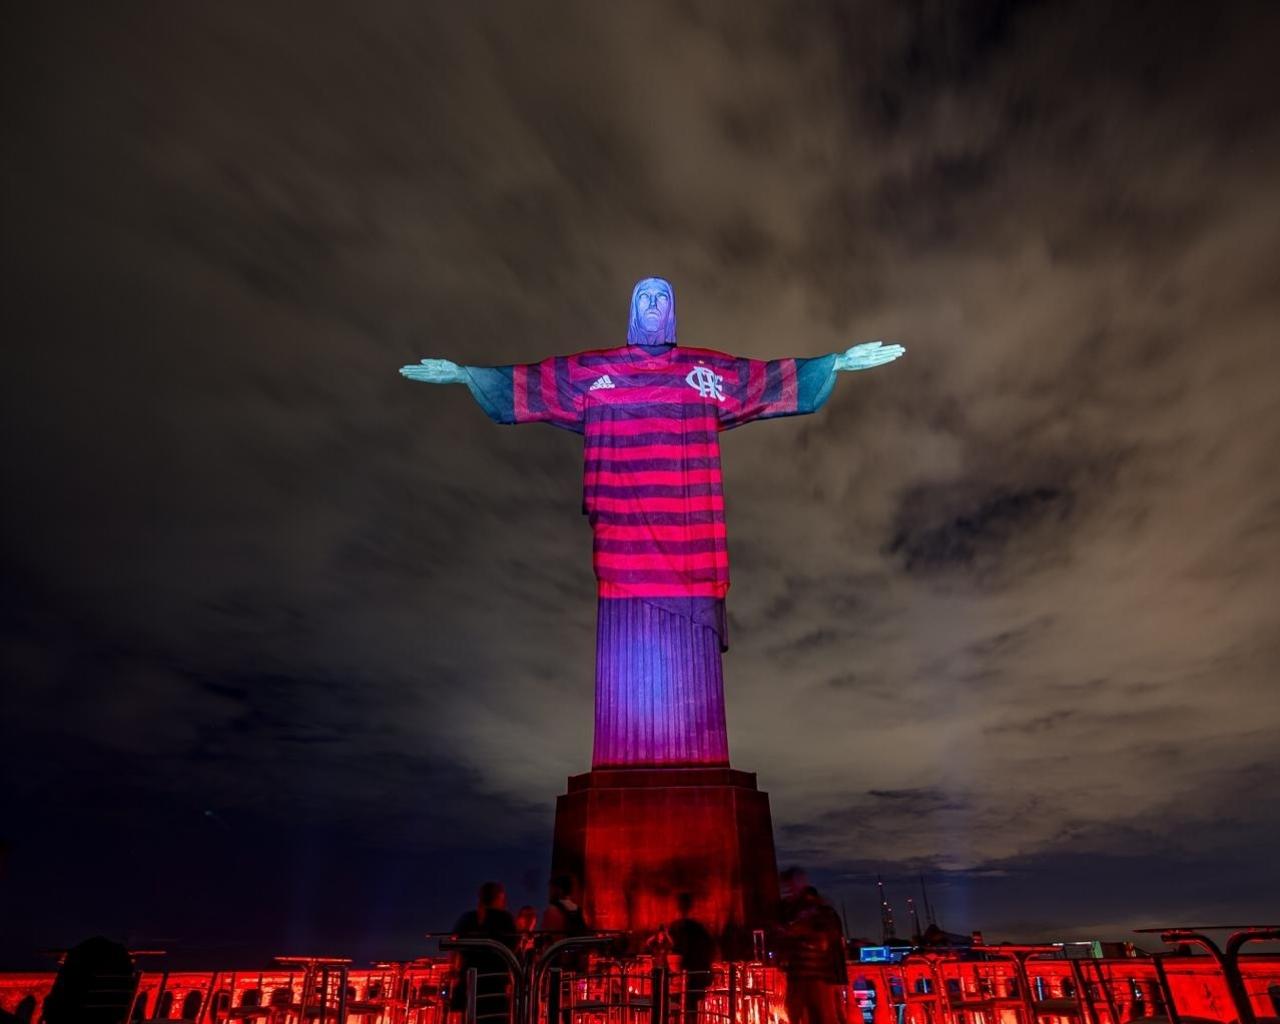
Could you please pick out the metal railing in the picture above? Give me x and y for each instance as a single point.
(609, 990)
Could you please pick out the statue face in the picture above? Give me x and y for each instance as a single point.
(653, 306)
(653, 313)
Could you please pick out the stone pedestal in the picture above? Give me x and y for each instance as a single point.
(636, 837)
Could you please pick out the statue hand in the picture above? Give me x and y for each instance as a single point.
(435, 371)
(863, 357)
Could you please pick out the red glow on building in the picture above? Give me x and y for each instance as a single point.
(983, 985)
(636, 838)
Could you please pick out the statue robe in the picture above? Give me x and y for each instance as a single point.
(653, 493)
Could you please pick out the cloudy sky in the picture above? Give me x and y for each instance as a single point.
(297, 652)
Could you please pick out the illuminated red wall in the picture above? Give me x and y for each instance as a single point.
(16, 987)
(944, 989)
(635, 838)
(930, 989)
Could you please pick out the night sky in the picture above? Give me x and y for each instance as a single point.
(297, 652)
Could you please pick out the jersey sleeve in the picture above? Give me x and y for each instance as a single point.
(529, 392)
(778, 387)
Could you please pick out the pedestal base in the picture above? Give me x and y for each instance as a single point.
(636, 837)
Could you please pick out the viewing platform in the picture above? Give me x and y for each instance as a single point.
(1189, 983)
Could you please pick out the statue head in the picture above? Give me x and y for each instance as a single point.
(653, 313)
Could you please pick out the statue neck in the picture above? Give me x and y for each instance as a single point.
(652, 350)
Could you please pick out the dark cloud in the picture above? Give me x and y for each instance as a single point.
(938, 534)
(1003, 612)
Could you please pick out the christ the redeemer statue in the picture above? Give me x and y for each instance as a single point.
(651, 412)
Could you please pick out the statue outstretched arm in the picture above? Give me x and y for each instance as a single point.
(793, 387)
(867, 355)
(529, 393)
(435, 371)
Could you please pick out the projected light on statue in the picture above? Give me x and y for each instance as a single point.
(651, 412)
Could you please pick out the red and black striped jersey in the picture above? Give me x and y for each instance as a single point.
(651, 418)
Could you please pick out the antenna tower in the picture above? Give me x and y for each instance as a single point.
(888, 934)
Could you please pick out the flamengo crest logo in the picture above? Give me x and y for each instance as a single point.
(706, 382)
(602, 382)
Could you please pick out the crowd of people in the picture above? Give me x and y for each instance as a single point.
(521, 934)
(808, 944)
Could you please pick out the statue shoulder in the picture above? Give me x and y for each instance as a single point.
(598, 353)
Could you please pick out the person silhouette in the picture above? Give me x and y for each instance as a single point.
(490, 920)
(692, 942)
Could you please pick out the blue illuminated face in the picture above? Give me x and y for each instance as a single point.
(653, 313)
(653, 306)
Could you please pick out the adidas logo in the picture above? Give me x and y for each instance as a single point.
(601, 382)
